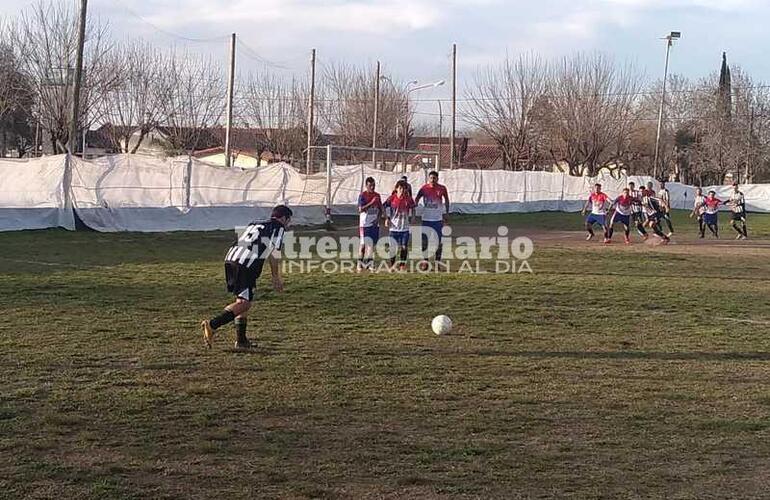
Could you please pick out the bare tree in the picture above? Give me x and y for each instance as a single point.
(502, 102)
(132, 109)
(45, 40)
(278, 108)
(677, 133)
(190, 98)
(350, 107)
(590, 113)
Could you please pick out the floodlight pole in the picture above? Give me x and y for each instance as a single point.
(669, 42)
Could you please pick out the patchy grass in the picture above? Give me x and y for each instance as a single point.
(608, 372)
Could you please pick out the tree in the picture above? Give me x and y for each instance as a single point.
(45, 42)
(131, 109)
(190, 98)
(590, 113)
(503, 102)
(350, 108)
(278, 108)
(16, 103)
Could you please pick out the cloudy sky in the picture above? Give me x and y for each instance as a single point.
(413, 37)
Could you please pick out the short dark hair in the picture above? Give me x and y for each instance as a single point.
(404, 178)
(432, 172)
(369, 179)
(281, 211)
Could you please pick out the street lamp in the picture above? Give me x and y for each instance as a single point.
(409, 90)
(674, 35)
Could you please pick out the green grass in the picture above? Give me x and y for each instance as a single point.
(607, 372)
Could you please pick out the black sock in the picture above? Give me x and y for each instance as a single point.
(221, 320)
(240, 330)
(745, 230)
(610, 232)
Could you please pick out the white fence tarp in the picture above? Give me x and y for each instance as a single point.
(136, 193)
(32, 194)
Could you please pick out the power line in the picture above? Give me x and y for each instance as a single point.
(122, 6)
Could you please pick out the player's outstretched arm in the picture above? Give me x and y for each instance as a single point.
(275, 272)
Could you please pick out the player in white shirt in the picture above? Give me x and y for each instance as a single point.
(698, 209)
(665, 204)
(737, 204)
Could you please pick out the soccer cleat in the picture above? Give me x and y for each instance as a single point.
(208, 332)
(243, 345)
(627, 240)
(607, 241)
(589, 237)
(669, 234)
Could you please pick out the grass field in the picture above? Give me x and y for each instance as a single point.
(607, 372)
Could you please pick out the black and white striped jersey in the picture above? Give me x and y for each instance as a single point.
(255, 243)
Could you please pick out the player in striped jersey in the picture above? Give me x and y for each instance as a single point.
(654, 213)
(738, 206)
(665, 204)
(637, 211)
(698, 209)
(243, 266)
(622, 206)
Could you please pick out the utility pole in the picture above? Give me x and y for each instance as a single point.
(67, 178)
(376, 113)
(440, 133)
(674, 35)
(747, 175)
(454, 107)
(78, 77)
(311, 114)
(230, 90)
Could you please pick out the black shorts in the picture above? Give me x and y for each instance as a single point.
(739, 216)
(637, 217)
(241, 280)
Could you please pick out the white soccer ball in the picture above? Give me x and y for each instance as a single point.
(441, 325)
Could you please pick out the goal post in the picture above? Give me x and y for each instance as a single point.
(432, 163)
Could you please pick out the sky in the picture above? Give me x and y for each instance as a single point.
(413, 38)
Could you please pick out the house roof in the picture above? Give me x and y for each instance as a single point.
(478, 156)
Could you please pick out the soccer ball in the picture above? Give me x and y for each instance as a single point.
(441, 325)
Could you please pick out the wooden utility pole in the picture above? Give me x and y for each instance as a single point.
(376, 113)
(454, 107)
(311, 114)
(230, 91)
(67, 178)
(78, 77)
